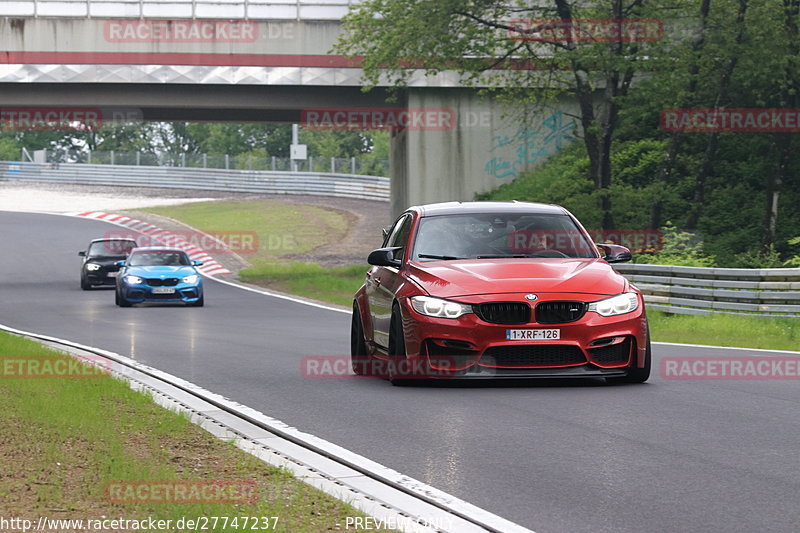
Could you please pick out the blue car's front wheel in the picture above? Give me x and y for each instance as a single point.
(200, 301)
(121, 300)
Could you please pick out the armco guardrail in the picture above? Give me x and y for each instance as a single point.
(771, 292)
(256, 181)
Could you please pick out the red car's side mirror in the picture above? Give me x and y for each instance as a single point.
(384, 257)
(615, 253)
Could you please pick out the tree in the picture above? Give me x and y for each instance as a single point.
(499, 43)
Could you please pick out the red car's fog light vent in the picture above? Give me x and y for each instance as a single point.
(533, 355)
(504, 312)
(612, 353)
(560, 312)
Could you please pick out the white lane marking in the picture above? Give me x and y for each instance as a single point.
(342, 455)
(282, 296)
(715, 347)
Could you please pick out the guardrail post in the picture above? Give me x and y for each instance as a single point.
(273, 162)
(112, 157)
(353, 165)
(89, 158)
(227, 161)
(138, 158)
(205, 160)
(183, 159)
(333, 165)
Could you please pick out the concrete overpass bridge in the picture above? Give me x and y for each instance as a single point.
(259, 60)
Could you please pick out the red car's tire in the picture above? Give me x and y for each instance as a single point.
(636, 374)
(397, 349)
(359, 358)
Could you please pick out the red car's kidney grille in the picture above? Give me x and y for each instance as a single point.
(615, 353)
(559, 312)
(504, 312)
(168, 282)
(533, 355)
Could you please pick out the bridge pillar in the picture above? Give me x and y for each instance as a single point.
(489, 144)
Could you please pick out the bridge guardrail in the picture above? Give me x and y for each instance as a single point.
(168, 9)
(766, 292)
(255, 181)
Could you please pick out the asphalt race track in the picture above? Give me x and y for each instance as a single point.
(667, 456)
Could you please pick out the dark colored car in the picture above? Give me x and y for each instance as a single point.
(100, 259)
(159, 274)
(497, 289)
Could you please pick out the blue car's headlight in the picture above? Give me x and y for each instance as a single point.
(192, 278)
(133, 280)
(92, 267)
(616, 305)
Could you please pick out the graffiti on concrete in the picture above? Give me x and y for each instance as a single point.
(529, 145)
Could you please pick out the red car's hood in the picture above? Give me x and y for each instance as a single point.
(448, 279)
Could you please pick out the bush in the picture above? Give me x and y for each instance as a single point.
(680, 248)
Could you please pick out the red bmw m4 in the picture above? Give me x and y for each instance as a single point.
(497, 290)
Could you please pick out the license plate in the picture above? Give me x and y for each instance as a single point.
(532, 334)
(112, 274)
(163, 290)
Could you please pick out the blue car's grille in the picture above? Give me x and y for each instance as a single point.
(168, 282)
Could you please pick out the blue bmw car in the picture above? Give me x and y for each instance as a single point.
(159, 274)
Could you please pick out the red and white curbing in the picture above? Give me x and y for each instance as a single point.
(210, 266)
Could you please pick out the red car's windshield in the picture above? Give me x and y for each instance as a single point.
(497, 235)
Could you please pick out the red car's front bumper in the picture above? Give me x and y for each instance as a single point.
(471, 347)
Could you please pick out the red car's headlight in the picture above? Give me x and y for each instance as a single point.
(436, 307)
(616, 305)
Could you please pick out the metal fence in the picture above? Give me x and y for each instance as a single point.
(771, 292)
(371, 166)
(256, 181)
(169, 9)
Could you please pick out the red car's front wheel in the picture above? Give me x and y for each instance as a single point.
(359, 358)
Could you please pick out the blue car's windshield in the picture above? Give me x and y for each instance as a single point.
(158, 259)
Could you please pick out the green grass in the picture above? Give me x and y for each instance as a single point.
(64, 439)
(283, 228)
(726, 330)
(335, 285)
